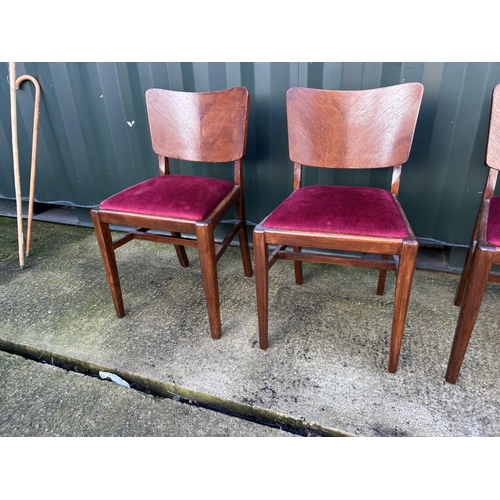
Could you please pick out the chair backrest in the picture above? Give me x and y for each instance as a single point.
(352, 128)
(199, 126)
(493, 148)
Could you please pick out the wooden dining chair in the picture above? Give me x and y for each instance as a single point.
(484, 250)
(361, 129)
(197, 127)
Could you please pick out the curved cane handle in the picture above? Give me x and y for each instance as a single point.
(36, 115)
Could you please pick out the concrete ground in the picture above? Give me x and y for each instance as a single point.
(325, 369)
(43, 400)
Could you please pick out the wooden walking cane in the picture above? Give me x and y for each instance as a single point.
(15, 157)
(36, 116)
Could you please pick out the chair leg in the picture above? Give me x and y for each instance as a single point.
(208, 264)
(482, 260)
(181, 251)
(243, 233)
(105, 242)
(261, 283)
(381, 278)
(464, 277)
(245, 250)
(402, 297)
(299, 277)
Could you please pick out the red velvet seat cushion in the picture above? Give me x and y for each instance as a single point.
(493, 228)
(182, 196)
(340, 209)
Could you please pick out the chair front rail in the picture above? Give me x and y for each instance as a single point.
(149, 221)
(362, 244)
(161, 238)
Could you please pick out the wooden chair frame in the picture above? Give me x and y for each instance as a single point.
(481, 256)
(398, 254)
(209, 251)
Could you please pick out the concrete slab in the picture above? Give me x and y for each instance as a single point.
(46, 401)
(326, 365)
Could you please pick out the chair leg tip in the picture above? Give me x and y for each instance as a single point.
(120, 310)
(392, 368)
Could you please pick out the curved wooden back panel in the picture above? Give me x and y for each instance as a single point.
(199, 126)
(493, 149)
(352, 129)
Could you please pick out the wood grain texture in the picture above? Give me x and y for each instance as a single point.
(198, 126)
(352, 129)
(493, 148)
(481, 254)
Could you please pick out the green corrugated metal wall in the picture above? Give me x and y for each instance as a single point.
(94, 137)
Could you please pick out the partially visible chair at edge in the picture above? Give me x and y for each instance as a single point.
(361, 129)
(484, 250)
(197, 127)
